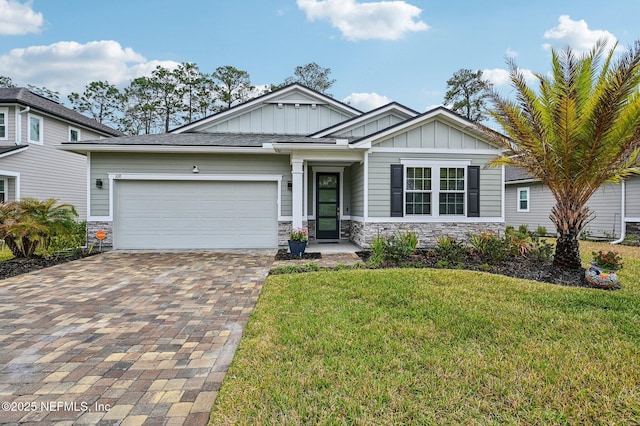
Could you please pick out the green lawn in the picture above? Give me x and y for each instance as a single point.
(405, 346)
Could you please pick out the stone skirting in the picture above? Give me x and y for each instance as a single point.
(93, 227)
(363, 233)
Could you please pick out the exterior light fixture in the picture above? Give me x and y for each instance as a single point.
(195, 169)
(99, 183)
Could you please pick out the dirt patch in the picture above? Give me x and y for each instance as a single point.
(515, 266)
(13, 267)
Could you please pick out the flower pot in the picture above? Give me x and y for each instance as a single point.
(297, 247)
(601, 277)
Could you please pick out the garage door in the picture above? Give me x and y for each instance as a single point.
(202, 214)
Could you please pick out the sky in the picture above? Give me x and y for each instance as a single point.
(378, 51)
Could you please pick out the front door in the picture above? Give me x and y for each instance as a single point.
(327, 206)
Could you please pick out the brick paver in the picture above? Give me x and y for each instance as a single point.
(124, 337)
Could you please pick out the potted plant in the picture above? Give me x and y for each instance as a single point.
(298, 241)
(604, 268)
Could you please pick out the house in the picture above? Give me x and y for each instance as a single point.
(616, 207)
(294, 158)
(31, 127)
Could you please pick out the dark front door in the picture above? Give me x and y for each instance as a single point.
(327, 206)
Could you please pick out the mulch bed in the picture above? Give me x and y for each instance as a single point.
(283, 254)
(517, 267)
(14, 267)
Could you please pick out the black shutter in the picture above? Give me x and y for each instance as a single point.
(397, 196)
(473, 191)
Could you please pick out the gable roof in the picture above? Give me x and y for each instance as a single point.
(270, 97)
(440, 112)
(24, 97)
(384, 109)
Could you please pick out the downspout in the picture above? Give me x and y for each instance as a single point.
(623, 227)
(19, 124)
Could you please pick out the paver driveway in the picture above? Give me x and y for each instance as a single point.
(124, 337)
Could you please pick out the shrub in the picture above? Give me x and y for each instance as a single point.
(400, 246)
(71, 242)
(499, 248)
(541, 251)
(523, 229)
(520, 243)
(449, 250)
(377, 251)
(541, 231)
(30, 224)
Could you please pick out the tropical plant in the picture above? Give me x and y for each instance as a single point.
(29, 224)
(579, 130)
(377, 251)
(400, 246)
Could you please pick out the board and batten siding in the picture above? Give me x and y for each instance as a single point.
(289, 119)
(605, 203)
(102, 164)
(434, 135)
(380, 180)
(370, 127)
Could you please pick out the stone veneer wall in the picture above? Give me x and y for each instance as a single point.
(363, 233)
(93, 227)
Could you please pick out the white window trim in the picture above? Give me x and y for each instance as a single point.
(77, 130)
(41, 121)
(435, 184)
(5, 111)
(528, 192)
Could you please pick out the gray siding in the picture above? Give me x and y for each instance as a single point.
(605, 204)
(45, 171)
(632, 197)
(303, 119)
(369, 127)
(434, 134)
(227, 164)
(357, 189)
(380, 181)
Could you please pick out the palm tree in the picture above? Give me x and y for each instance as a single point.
(579, 130)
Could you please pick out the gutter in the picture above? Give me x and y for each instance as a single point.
(623, 227)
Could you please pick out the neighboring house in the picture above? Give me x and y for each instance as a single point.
(616, 207)
(31, 127)
(289, 159)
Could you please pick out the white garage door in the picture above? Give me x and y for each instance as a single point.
(201, 214)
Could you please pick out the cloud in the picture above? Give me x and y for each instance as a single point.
(511, 53)
(68, 66)
(575, 34)
(17, 18)
(366, 101)
(500, 77)
(385, 20)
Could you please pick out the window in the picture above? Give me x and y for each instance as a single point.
(451, 191)
(74, 134)
(523, 199)
(418, 190)
(426, 185)
(35, 129)
(3, 185)
(4, 115)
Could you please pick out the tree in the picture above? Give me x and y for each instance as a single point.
(197, 89)
(169, 93)
(231, 85)
(140, 107)
(581, 129)
(467, 94)
(6, 82)
(312, 76)
(100, 101)
(44, 92)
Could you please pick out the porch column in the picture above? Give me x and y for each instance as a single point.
(297, 191)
